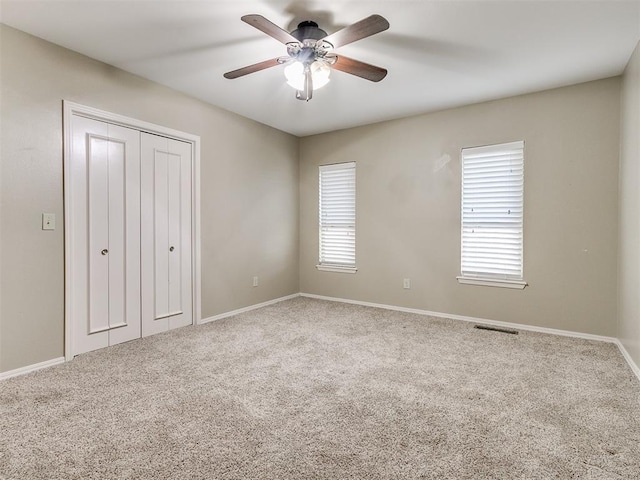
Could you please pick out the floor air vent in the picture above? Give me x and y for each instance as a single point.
(496, 329)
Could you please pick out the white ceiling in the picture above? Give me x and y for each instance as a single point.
(439, 54)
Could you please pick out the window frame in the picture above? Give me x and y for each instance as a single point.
(480, 277)
(336, 266)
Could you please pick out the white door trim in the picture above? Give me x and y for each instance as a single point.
(70, 109)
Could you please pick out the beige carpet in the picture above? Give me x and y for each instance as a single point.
(307, 389)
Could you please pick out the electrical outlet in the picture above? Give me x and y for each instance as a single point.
(255, 281)
(406, 283)
(48, 221)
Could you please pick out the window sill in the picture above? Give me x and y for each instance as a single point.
(336, 269)
(485, 282)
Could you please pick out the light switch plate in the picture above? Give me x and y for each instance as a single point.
(48, 221)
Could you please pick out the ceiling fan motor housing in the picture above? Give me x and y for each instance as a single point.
(312, 47)
(308, 30)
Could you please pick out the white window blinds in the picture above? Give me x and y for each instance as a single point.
(492, 212)
(338, 215)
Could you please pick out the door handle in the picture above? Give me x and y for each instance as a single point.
(171, 249)
(104, 252)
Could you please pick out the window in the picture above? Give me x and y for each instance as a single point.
(337, 217)
(492, 215)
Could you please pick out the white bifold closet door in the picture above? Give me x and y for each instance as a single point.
(165, 233)
(105, 238)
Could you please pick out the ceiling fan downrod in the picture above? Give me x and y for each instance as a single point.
(307, 93)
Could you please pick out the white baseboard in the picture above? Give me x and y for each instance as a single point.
(634, 368)
(517, 326)
(497, 323)
(31, 368)
(220, 316)
(56, 361)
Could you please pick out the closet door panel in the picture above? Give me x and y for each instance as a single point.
(124, 235)
(161, 229)
(174, 181)
(98, 217)
(166, 234)
(180, 275)
(105, 239)
(153, 234)
(116, 222)
(81, 237)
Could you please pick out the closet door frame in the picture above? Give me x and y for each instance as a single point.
(69, 110)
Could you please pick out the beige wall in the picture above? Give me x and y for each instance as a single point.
(249, 179)
(629, 233)
(408, 185)
(408, 208)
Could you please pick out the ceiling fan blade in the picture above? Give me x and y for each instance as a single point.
(362, 29)
(270, 28)
(256, 67)
(359, 69)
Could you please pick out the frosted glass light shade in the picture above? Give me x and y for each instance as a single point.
(319, 73)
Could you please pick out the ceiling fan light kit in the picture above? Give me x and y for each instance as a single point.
(310, 53)
(295, 74)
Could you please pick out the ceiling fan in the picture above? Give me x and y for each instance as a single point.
(310, 53)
